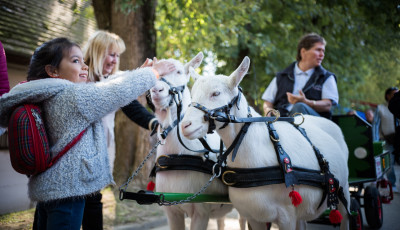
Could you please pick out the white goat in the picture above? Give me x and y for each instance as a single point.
(270, 203)
(178, 181)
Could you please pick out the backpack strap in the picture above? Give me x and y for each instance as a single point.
(66, 148)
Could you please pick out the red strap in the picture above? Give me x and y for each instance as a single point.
(68, 147)
(38, 148)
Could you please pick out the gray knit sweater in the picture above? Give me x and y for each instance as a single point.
(68, 109)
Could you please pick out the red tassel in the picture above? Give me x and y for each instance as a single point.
(335, 217)
(296, 198)
(150, 186)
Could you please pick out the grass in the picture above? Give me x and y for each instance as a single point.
(18, 220)
(115, 212)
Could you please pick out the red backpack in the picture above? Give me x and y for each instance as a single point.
(28, 142)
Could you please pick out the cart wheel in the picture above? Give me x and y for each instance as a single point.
(373, 207)
(356, 222)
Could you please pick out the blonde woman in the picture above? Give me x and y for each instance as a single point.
(102, 55)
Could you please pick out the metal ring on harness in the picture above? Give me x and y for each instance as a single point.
(273, 139)
(302, 116)
(223, 178)
(158, 165)
(213, 170)
(274, 112)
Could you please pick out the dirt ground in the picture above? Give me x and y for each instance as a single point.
(115, 212)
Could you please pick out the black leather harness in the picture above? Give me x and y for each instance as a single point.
(182, 162)
(285, 172)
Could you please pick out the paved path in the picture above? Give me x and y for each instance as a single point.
(13, 187)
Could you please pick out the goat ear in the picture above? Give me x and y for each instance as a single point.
(195, 62)
(193, 73)
(237, 76)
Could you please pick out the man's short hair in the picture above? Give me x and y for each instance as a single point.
(389, 91)
(307, 42)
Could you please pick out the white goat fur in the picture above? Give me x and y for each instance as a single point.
(270, 203)
(185, 181)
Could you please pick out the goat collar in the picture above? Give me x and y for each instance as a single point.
(175, 92)
(165, 131)
(211, 114)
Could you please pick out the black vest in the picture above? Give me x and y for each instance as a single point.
(312, 89)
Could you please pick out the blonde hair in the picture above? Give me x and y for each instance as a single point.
(95, 51)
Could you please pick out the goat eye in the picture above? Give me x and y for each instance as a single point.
(179, 72)
(215, 94)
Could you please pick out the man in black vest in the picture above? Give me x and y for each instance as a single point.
(305, 86)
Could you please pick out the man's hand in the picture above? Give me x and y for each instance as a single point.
(267, 106)
(293, 99)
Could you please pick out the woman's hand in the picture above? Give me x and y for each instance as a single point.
(163, 67)
(147, 63)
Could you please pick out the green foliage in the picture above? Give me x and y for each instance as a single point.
(362, 39)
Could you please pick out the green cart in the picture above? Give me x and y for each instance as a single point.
(368, 162)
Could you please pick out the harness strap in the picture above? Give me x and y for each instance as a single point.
(206, 148)
(182, 162)
(166, 131)
(235, 144)
(332, 189)
(283, 158)
(253, 177)
(223, 117)
(174, 92)
(323, 164)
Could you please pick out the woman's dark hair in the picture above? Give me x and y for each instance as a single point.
(49, 53)
(307, 42)
(389, 91)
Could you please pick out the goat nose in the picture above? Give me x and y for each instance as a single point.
(157, 89)
(186, 124)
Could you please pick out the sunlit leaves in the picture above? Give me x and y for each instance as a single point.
(362, 36)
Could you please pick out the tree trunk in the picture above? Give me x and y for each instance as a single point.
(137, 31)
(102, 12)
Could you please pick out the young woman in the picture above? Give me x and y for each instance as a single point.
(102, 55)
(56, 78)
